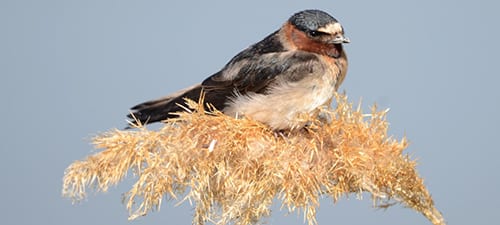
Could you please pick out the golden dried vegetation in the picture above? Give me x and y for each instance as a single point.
(233, 169)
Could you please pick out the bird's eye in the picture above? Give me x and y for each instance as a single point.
(314, 33)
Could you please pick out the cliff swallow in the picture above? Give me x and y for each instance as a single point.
(291, 72)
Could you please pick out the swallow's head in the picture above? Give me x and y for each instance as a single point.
(316, 31)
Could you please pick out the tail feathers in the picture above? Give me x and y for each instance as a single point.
(162, 109)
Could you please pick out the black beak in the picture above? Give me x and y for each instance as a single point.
(340, 39)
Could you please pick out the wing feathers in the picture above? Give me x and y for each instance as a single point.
(255, 74)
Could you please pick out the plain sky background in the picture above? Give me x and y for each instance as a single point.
(71, 69)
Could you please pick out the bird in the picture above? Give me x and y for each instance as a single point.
(290, 73)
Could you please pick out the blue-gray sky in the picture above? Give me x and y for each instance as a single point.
(71, 69)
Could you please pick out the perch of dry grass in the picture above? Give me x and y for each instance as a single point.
(232, 169)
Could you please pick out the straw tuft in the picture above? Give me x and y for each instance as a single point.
(232, 169)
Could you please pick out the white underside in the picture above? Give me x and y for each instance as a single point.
(285, 105)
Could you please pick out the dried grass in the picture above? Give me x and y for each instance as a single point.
(232, 169)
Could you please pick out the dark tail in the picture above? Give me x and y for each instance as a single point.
(162, 109)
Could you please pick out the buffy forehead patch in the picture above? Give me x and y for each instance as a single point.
(332, 28)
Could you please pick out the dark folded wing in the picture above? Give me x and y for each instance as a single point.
(241, 75)
(255, 74)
